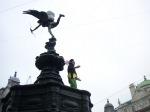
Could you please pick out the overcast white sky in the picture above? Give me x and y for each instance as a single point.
(108, 38)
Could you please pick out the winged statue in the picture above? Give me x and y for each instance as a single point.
(45, 19)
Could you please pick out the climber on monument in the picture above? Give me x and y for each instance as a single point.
(72, 75)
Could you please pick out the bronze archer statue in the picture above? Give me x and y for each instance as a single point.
(46, 19)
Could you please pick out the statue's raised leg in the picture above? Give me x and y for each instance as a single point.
(35, 28)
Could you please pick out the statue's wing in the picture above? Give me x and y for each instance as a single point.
(40, 15)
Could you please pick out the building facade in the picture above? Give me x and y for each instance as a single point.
(12, 81)
(140, 98)
(109, 107)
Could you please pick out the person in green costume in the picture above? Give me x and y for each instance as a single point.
(72, 75)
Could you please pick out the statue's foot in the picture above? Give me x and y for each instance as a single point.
(31, 30)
